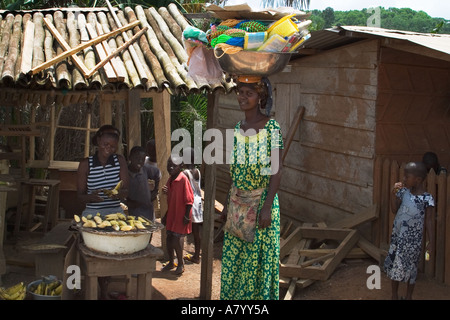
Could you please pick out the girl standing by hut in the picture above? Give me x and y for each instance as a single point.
(414, 208)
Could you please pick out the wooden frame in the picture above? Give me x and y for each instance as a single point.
(328, 260)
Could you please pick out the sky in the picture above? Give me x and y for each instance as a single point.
(434, 8)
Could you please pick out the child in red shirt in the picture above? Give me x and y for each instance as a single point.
(178, 217)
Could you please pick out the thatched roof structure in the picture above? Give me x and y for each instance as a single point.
(154, 62)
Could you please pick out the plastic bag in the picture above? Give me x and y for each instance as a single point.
(203, 65)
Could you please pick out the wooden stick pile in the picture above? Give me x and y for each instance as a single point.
(312, 252)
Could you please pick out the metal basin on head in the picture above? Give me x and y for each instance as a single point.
(252, 63)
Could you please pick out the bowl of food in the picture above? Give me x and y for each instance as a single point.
(252, 63)
(115, 242)
(116, 234)
(47, 288)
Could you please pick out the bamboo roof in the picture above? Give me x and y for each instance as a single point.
(154, 62)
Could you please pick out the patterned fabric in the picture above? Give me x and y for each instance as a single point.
(250, 270)
(235, 32)
(251, 26)
(406, 239)
(100, 177)
(243, 206)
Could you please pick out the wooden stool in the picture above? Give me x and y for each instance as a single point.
(142, 264)
(50, 251)
(51, 209)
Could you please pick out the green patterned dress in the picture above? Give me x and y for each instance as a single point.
(250, 271)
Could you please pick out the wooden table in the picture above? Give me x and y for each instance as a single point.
(142, 264)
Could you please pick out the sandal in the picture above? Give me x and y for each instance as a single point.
(169, 266)
(190, 257)
(179, 270)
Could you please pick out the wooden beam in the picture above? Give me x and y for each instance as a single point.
(357, 219)
(209, 213)
(65, 46)
(333, 259)
(82, 46)
(112, 55)
(290, 242)
(133, 52)
(161, 120)
(292, 130)
(109, 70)
(133, 112)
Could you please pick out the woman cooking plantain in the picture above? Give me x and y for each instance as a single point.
(97, 178)
(99, 174)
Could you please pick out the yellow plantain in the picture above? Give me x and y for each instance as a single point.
(15, 288)
(98, 220)
(90, 224)
(138, 224)
(112, 216)
(22, 295)
(58, 290)
(126, 228)
(17, 294)
(76, 218)
(117, 187)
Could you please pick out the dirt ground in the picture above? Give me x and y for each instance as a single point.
(348, 281)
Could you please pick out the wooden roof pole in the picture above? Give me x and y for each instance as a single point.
(65, 46)
(109, 70)
(116, 52)
(133, 53)
(82, 46)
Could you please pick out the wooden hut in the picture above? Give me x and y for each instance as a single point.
(373, 99)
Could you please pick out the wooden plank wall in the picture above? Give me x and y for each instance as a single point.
(328, 172)
(413, 106)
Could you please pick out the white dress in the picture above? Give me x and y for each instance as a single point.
(197, 209)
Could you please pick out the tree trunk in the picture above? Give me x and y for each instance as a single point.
(155, 66)
(168, 49)
(176, 46)
(172, 24)
(89, 55)
(162, 56)
(126, 56)
(62, 73)
(13, 49)
(118, 63)
(5, 40)
(74, 40)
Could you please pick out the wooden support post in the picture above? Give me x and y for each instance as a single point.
(4, 169)
(105, 110)
(208, 214)
(161, 119)
(133, 107)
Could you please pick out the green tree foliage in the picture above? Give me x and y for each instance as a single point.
(392, 18)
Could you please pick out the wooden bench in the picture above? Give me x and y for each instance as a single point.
(50, 251)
